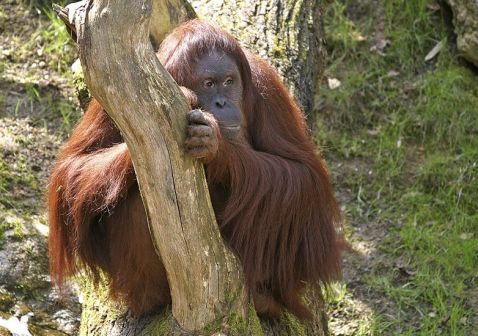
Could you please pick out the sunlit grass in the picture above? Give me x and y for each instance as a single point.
(412, 125)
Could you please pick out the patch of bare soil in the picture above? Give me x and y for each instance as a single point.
(353, 313)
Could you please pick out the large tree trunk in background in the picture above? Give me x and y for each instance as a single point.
(465, 20)
(288, 34)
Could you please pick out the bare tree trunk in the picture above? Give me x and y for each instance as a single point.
(289, 36)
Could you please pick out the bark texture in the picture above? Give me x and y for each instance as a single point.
(168, 14)
(288, 33)
(148, 107)
(465, 19)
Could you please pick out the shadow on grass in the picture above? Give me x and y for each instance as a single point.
(42, 106)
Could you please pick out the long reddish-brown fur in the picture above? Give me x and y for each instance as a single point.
(271, 194)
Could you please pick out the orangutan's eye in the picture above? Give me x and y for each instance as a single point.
(228, 81)
(208, 83)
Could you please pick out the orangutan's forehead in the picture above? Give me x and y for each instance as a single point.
(216, 62)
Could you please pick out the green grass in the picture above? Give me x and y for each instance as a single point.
(47, 108)
(413, 133)
(48, 41)
(43, 39)
(58, 43)
(41, 43)
(8, 200)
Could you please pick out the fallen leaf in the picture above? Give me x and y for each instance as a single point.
(358, 37)
(380, 46)
(333, 83)
(393, 73)
(466, 236)
(436, 49)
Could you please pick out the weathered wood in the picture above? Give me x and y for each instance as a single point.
(168, 14)
(123, 73)
(288, 33)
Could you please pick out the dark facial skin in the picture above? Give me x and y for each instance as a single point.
(218, 87)
(219, 92)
